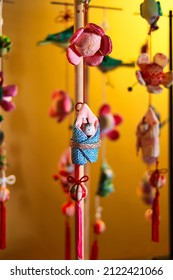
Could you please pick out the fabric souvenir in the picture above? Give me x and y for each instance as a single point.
(62, 105)
(146, 190)
(109, 122)
(151, 11)
(148, 137)
(151, 74)
(5, 45)
(6, 94)
(110, 63)
(91, 43)
(60, 39)
(86, 137)
(106, 185)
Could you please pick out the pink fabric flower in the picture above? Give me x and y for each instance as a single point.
(151, 73)
(6, 94)
(108, 122)
(91, 43)
(62, 105)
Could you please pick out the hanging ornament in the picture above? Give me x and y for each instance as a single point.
(62, 105)
(99, 227)
(6, 94)
(109, 122)
(151, 11)
(65, 169)
(106, 185)
(151, 74)
(110, 63)
(5, 45)
(145, 190)
(148, 137)
(60, 39)
(78, 191)
(84, 146)
(91, 43)
(157, 181)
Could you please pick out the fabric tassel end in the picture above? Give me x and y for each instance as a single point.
(2, 226)
(155, 218)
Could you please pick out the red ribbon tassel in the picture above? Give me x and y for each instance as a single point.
(79, 231)
(94, 250)
(155, 218)
(67, 241)
(2, 226)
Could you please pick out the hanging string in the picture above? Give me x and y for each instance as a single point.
(84, 62)
(150, 55)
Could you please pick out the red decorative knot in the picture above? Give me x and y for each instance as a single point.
(78, 191)
(99, 226)
(157, 179)
(68, 209)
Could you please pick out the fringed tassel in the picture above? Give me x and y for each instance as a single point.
(94, 250)
(67, 241)
(155, 218)
(2, 226)
(79, 231)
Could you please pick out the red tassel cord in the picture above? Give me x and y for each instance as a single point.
(155, 218)
(94, 250)
(2, 226)
(67, 241)
(79, 230)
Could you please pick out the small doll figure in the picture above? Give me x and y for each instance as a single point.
(86, 137)
(148, 137)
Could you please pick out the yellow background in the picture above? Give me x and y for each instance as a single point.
(34, 141)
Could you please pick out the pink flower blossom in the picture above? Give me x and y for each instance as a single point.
(108, 122)
(62, 105)
(91, 43)
(6, 94)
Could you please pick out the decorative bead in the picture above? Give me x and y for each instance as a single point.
(148, 215)
(4, 194)
(99, 226)
(68, 209)
(157, 180)
(78, 192)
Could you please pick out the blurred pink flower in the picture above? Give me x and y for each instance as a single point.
(62, 105)
(6, 94)
(108, 122)
(91, 43)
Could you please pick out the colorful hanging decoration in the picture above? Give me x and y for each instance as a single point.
(109, 122)
(106, 185)
(148, 137)
(151, 11)
(157, 180)
(65, 169)
(99, 227)
(86, 137)
(145, 190)
(60, 39)
(5, 45)
(6, 94)
(62, 105)
(91, 43)
(109, 63)
(151, 74)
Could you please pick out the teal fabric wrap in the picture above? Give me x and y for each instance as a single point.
(82, 156)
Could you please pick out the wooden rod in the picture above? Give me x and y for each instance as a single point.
(170, 143)
(78, 22)
(90, 6)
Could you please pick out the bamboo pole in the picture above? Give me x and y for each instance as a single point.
(78, 22)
